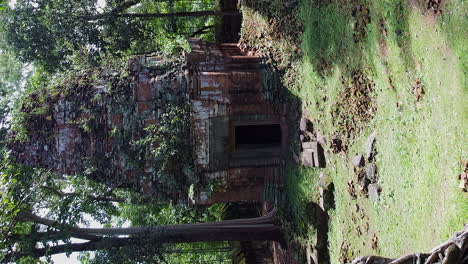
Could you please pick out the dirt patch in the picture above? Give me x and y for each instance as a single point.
(346, 255)
(362, 16)
(352, 190)
(418, 90)
(434, 5)
(430, 8)
(337, 145)
(382, 37)
(273, 30)
(355, 106)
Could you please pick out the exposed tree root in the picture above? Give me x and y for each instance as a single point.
(454, 251)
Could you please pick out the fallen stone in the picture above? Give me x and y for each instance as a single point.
(358, 161)
(306, 125)
(371, 172)
(307, 158)
(373, 191)
(314, 151)
(363, 183)
(324, 181)
(369, 146)
(310, 145)
(321, 138)
(310, 136)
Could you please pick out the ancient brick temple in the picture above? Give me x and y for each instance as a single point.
(237, 133)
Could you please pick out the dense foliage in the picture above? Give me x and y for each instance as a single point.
(57, 48)
(29, 197)
(168, 145)
(59, 33)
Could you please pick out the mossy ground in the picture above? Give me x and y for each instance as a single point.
(417, 62)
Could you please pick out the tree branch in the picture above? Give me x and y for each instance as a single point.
(123, 6)
(104, 243)
(74, 194)
(455, 250)
(200, 31)
(75, 232)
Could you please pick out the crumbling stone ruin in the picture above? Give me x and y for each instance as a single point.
(228, 143)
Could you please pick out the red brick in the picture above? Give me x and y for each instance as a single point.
(143, 107)
(144, 92)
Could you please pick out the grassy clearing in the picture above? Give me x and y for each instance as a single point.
(420, 142)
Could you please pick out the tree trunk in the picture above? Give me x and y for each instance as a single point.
(454, 251)
(263, 228)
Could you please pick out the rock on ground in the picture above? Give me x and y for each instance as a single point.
(358, 161)
(369, 146)
(373, 191)
(371, 172)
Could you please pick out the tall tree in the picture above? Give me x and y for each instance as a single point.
(49, 31)
(35, 223)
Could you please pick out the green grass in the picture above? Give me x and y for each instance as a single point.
(420, 145)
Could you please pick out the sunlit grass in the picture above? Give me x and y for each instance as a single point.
(420, 145)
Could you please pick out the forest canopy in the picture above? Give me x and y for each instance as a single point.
(46, 44)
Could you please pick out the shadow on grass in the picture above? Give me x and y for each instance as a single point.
(331, 30)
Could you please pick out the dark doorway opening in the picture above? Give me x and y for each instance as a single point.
(258, 136)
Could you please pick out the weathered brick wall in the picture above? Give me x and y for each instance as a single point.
(90, 126)
(228, 89)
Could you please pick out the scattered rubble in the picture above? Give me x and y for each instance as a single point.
(362, 15)
(369, 146)
(363, 182)
(366, 174)
(371, 172)
(373, 191)
(358, 161)
(321, 138)
(351, 190)
(312, 152)
(306, 125)
(356, 104)
(435, 6)
(345, 254)
(358, 231)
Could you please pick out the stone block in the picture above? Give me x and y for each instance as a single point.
(358, 161)
(143, 107)
(313, 150)
(308, 158)
(369, 146)
(306, 125)
(371, 172)
(373, 191)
